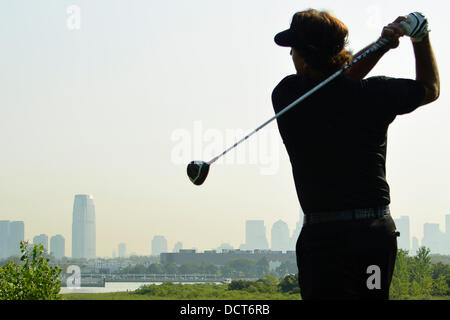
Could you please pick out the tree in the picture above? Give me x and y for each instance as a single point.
(421, 272)
(441, 272)
(287, 267)
(268, 284)
(188, 268)
(34, 280)
(289, 284)
(440, 287)
(400, 280)
(171, 268)
(242, 267)
(155, 268)
(139, 269)
(209, 268)
(262, 267)
(239, 284)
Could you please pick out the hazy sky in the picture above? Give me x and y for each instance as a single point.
(113, 100)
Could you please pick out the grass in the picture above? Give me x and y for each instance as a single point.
(131, 296)
(170, 291)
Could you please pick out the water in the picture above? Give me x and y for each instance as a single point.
(113, 287)
(109, 287)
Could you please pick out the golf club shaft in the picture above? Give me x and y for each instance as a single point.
(380, 43)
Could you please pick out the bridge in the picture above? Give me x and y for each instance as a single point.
(99, 280)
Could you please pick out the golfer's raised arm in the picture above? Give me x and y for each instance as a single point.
(393, 32)
(426, 69)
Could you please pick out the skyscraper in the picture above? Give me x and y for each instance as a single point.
(58, 246)
(255, 235)
(177, 247)
(280, 236)
(122, 249)
(296, 232)
(432, 237)
(415, 246)
(4, 236)
(447, 235)
(159, 245)
(41, 239)
(402, 225)
(224, 247)
(83, 227)
(16, 234)
(447, 224)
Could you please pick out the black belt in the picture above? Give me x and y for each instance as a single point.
(346, 215)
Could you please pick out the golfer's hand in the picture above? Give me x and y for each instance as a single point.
(393, 32)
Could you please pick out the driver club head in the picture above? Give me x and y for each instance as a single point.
(197, 172)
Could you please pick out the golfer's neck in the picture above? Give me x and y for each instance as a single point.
(312, 74)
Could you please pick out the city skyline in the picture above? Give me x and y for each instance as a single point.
(435, 238)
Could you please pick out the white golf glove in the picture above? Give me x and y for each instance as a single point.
(416, 27)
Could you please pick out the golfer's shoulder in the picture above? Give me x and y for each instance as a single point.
(286, 85)
(374, 81)
(384, 83)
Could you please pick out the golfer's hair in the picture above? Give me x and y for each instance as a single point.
(323, 38)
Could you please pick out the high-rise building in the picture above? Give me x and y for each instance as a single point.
(402, 225)
(41, 239)
(122, 249)
(446, 249)
(16, 235)
(447, 224)
(432, 237)
(58, 246)
(280, 236)
(415, 246)
(159, 245)
(83, 227)
(177, 247)
(224, 247)
(4, 236)
(296, 232)
(255, 235)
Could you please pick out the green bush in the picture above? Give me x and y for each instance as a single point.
(417, 278)
(289, 284)
(32, 280)
(239, 285)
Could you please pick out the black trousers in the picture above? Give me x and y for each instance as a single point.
(347, 260)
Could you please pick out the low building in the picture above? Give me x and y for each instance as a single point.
(212, 257)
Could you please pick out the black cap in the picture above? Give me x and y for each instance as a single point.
(286, 38)
(297, 37)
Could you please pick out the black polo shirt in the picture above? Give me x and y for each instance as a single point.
(336, 139)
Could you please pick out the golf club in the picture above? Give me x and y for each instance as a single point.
(197, 171)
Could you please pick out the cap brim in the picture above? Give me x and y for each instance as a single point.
(284, 38)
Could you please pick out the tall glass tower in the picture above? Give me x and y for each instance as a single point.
(159, 245)
(4, 235)
(16, 234)
(402, 225)
(280, 236)
(255, 235)
(57, 246)
(83, 227)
